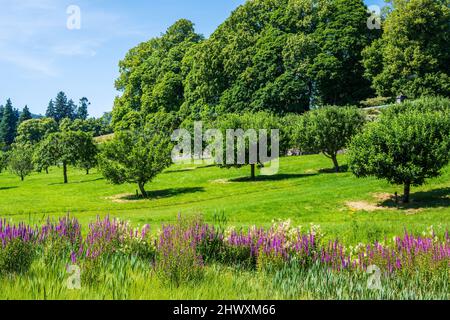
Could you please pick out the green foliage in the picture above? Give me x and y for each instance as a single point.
(328, 130)
(82, 111)
(25, 115)
(21, 160)
(8, 124)
(251, 125)
(405, 148)
(281, 56)
(66, 148)
(136, 156)
(16, 257)
(151, 75)
(4, 158)
(34, 130)
(412, 57)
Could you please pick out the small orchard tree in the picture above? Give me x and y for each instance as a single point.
(21, 160)
(243, 132)
(62, 148)
(87, 155)
(405, 148)
(136, 156)
(328, 130)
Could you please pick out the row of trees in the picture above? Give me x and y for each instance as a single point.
(63, 108)
(62, 115)
(285, 56)
(408, 144)
(41, 143)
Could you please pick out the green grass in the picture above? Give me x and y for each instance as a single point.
(302, 191)
(123, 280)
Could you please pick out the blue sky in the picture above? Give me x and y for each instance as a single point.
(40, 56)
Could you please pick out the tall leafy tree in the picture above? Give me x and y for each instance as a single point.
(282, 56)
(8, 125)
(151, 75)
(413, 55)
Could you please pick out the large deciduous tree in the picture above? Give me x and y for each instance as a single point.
(281, 56)
(151, 74)
(405, 147)
(413, 55)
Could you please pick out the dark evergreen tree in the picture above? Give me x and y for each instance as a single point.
(25, 115)
(82, 112)
(8, 124)
(51, 112)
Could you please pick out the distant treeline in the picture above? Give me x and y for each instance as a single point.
(62, 114)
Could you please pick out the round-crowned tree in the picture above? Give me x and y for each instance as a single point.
(404, 148)
(136, 156)
(328, 130)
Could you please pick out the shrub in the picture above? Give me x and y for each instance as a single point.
(16, 256)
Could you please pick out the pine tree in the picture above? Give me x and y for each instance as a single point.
(61, 104)
(25, 115)
(82, 112)
(8, 124)
(51, 113)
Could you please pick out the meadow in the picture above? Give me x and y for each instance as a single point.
(305, 191)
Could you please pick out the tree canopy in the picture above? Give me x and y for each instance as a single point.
(404, 147)
(413, 55)
(151, 75)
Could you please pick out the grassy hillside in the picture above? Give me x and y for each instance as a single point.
(304, 191)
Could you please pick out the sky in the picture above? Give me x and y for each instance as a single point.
(47, 46)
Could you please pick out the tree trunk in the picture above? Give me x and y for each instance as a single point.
(46, 170)
(65, 172)
(22, 178)
(87, 171)
(336, 163)
(407, 192)
(142, 189)
(253, 174)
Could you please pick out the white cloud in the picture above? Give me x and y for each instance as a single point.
(33, 65)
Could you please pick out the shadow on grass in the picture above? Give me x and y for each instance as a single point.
(436, 198)
(76, 182)
(7, 188)
(278, 177)
(342, 169)
(166, 193)
(190, 169)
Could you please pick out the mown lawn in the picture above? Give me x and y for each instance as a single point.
(304, 191)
